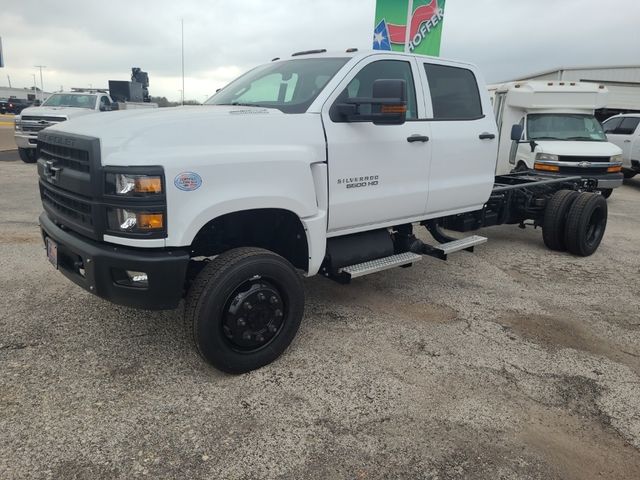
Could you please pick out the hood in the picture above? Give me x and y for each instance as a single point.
(161, 135)
(67, 112)
(577, 148)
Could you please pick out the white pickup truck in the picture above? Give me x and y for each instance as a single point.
(59, 107)
(322, 163)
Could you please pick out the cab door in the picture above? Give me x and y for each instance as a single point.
(378, 174)
(622, 131)
(464, 138)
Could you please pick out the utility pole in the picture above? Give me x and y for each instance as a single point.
(35, 86)
(182, 36)
(41, 82)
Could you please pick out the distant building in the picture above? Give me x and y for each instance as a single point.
(25, 93)
(623, 83)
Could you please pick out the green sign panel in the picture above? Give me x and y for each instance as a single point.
(409, 26)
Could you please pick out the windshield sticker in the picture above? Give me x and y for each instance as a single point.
(187, 181)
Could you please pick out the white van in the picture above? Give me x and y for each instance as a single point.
(557, 130)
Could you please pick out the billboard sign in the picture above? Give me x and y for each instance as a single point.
(409, 26)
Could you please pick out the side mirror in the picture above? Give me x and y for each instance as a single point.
(516, 133)
(105, 108)
(388, 105)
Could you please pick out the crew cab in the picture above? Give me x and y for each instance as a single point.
(623, 131)
(322, 163)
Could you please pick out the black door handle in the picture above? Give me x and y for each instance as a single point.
(487, 136)
(417, 138)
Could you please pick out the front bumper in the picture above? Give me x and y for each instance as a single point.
(610, 180)
(25, 140)
(102, 263)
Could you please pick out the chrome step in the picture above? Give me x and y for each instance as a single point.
(462, 244)
(380, 264)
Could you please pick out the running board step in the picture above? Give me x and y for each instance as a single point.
(448, 248)
(380, 264)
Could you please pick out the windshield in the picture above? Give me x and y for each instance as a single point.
(289, 86)
(564, 126)
(69, 100)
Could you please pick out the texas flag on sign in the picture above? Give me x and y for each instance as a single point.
(381, 39)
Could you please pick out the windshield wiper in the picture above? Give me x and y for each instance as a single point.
(547, 138)
(588, 139)
(240, 104)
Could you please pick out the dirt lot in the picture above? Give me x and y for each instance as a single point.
(511, 363)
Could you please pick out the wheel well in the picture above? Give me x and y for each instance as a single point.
(279, 231)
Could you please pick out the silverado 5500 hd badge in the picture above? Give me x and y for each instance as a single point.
(359, 182)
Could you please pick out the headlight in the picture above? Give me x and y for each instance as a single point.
(16, 124)
(546, 157)
(131, 221)
(124, 184)
(617, 159)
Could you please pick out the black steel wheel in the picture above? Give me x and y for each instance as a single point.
(586, 224)
(244, 309)
(629, 174)
(28, 155)
(555, 218)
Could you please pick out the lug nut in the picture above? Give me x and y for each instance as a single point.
(246, 336)
(241, 322)
(247, 306)
(259, 338)
(261, 297)
(273, 299)
(272, 328)
(278, 313)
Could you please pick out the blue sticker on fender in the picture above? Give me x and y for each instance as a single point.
(187, 181)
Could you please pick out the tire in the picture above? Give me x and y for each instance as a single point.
(555, 218)
(521, 167)
(629, 174)
(606, 192)
(28, 155)
(244, 309)
(586, 224)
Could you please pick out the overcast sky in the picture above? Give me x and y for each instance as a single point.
(90, 42)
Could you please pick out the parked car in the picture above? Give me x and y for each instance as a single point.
(14, 105)
(623, 130)
(4, 103)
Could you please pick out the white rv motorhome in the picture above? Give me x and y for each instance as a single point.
(550, 127)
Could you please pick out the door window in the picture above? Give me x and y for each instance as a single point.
(610, 125)
(454, 93)
(362, 83)
(627, 126)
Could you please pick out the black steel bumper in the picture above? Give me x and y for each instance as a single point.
(96, 267)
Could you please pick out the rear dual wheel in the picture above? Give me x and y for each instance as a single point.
(244, 309)
(575, 222)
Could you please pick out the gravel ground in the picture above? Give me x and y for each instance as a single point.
(511, 363)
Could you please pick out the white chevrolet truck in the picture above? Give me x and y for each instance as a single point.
(59, 107)
(317, 164)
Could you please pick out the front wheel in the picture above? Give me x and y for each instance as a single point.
(244, 309)
(28, 155)
(629, 174)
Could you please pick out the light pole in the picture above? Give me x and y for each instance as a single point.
(35, 86)
(182, 37)
(41, 82)
(181, 97)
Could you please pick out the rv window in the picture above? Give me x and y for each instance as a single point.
(454, 93)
